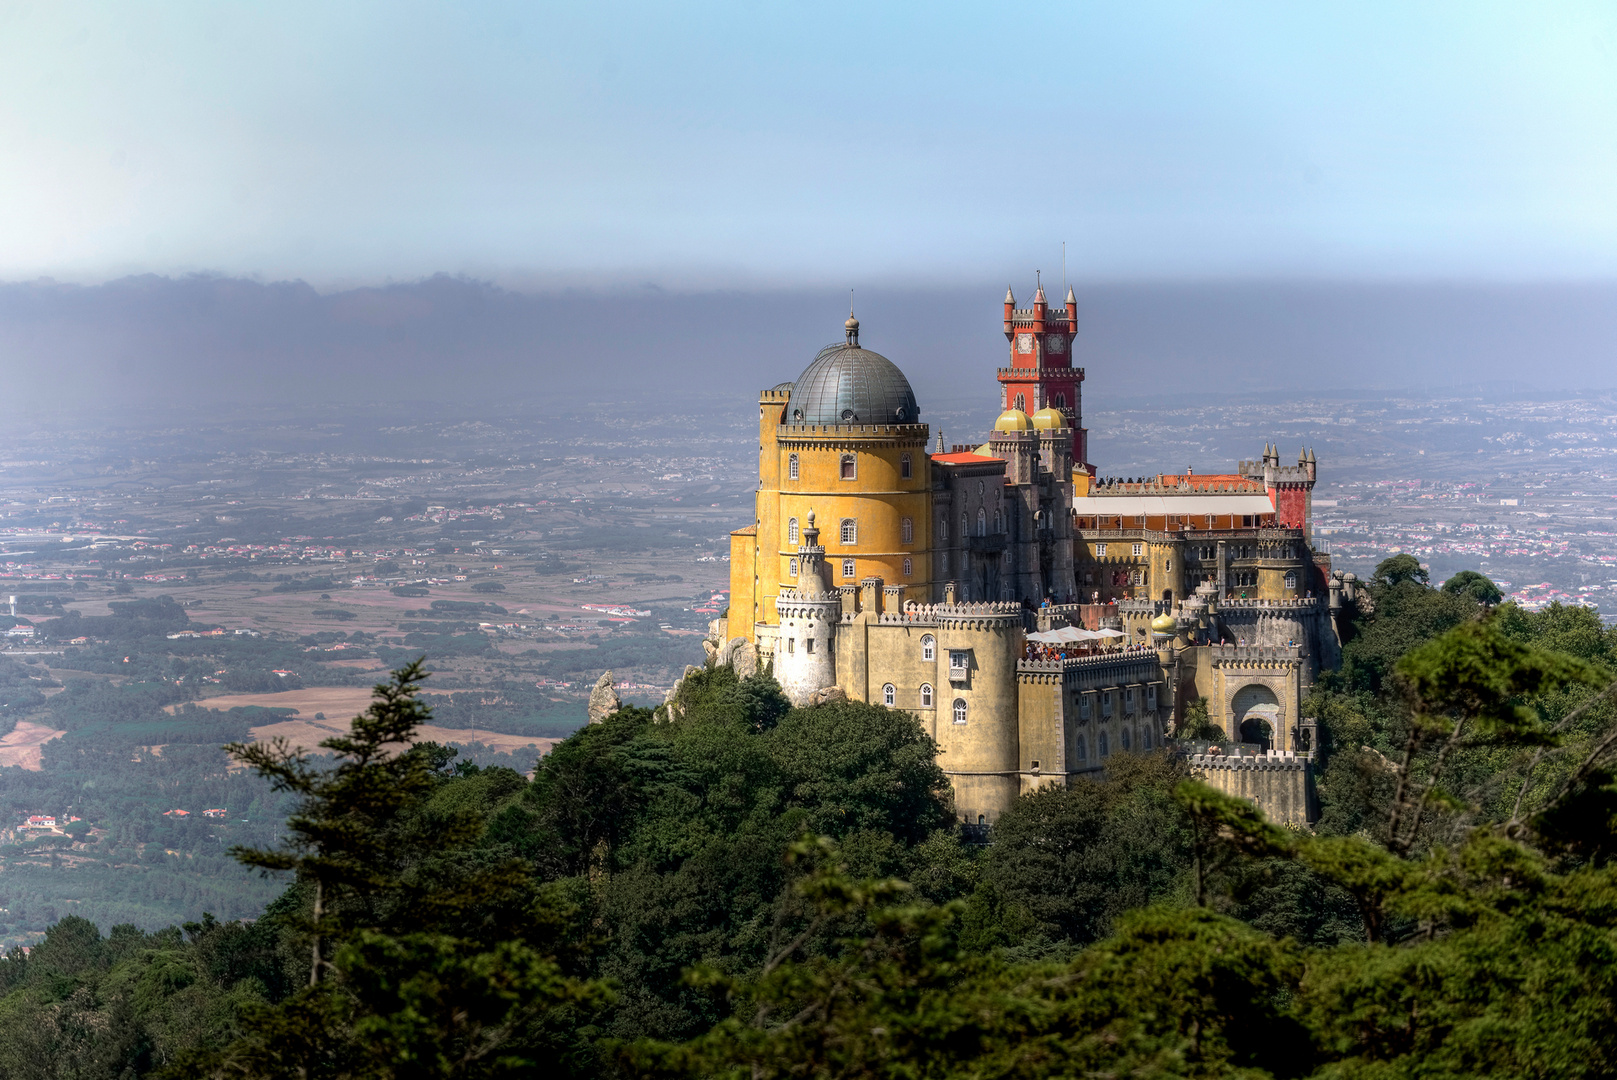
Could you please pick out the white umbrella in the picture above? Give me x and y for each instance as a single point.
(1110, 633)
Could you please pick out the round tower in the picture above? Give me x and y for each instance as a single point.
(806, 648)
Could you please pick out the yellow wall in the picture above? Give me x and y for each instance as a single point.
(743, 582)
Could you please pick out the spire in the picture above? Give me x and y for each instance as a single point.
(1072, 301)
(1038, 295)
(1010, 300)
(940, 440)
(1302, 456)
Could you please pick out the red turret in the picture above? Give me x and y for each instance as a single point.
(1041, 369)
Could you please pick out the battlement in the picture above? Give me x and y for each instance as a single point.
(787, 433)
(936, 614)
(1134, 656)
(1279, 782)
(1299, 604)
(1255, 655)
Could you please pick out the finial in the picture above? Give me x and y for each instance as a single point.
(940, 440)
(851, 329)
(1009, 298)
(1072, 301)
(811, 517)
(1038, 294)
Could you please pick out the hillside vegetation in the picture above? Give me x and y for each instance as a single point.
(758, 891)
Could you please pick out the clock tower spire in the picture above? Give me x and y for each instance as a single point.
(1041, 368)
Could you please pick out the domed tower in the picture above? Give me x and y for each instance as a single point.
(845, 441)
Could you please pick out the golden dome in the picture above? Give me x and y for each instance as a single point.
(1049, 419)
(1013, 420)
(1164, 624)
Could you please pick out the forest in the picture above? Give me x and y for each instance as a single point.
(755, 890)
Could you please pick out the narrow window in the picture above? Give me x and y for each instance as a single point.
(965, 525)
(889, 695)
(943, 563)
(848, 469)
(943, 530)
(907, 529)
(1291, 579)
(1102, 742)
(1100, 551)
(1139, 549)
(960, 710)
(1083, 707)
(1021, 402)
(1083, 751)
(791, 467)
(929, 648)
(847, 568)
(904, 467)
(1124, 738)
(850, 531)
(791, 532)
(1061, 401)
(808, 646)
(926, 695)
(791, 645)
(982, 522)
(909, 568)
(791, 567)
(1145, 739)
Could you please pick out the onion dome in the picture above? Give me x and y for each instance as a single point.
(1013, 420)
(849, 385)
(1049, 418)
(1164, 624)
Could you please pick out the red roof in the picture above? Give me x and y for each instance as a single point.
(966, 459)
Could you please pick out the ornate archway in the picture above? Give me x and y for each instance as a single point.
(1255, 715)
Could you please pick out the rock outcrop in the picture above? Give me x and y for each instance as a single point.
(827, 694)
(604, 700)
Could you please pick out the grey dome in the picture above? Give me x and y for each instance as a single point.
(849, 385)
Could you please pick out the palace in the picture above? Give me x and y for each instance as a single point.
(1035, 616)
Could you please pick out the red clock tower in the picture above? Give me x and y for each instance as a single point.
(1041, 373)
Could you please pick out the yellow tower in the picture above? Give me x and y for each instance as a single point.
(844, 441)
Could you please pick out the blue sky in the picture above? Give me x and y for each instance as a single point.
(700, 145)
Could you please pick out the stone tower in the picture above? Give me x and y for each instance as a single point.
(1041, 371)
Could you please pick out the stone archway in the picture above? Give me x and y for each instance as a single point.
(1255, 715)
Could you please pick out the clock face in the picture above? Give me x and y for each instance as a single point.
(1024, 343)
(1057, 344)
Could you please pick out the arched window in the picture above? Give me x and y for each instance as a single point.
(1145, 739)
(999, 521)
(1102, 744)
(982, 522)
(929, 648)
(960, 710)
(943, 530)
(791, 532)
(791, 467)
(850, 531)
(849, 470)
(1061, 401)
(980, 490)
(847, 568)
(943, 562)
(1021, 402)
(1124, 738)
(906, 528)
(791, 567)
(904, 466)
(965, 525)
(1291, 579)
(889, 695)
(926, 695)
(909, 568)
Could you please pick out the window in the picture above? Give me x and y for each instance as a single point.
(1100, 551)
(1061, 401)
(1167, 566)
(1083, 707)
(791, 467)
(1106, 704)
(929, 648)
(808, 646)
(849, 470)
(847, 568)
(999, 522)
(1291, 579)
(1083, 751)
(1102, 742)
(926, 695)
(904, 467)
(1139, 549)
(906, 528)
(1124, 738)
(850, 531)
(982, 522)
(959, 710)
(791, 645)
(1128, 700)
(965, 525)
(1021, 402)
(1211, 518)
(909, 568)
(1151, 698)
(889, 695)
(943, 530)
(1035, 764)
(980, 490)
(1145, 739)
(943, 563)
(959, 663)
(791, 567)
(791, 532)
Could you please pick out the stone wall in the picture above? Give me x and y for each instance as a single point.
(1280, 783)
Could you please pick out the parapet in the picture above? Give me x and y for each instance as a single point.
(984, 613)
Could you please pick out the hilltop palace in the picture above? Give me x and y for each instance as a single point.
(1035, 617)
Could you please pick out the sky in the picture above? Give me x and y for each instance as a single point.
(797, 145)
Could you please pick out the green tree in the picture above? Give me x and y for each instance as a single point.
(1474, 585)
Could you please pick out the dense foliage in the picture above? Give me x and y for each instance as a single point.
(752, 890)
